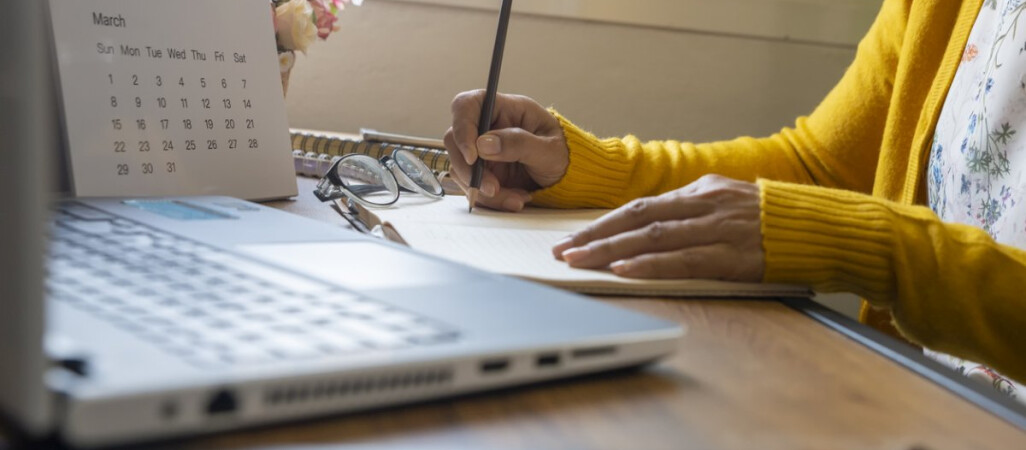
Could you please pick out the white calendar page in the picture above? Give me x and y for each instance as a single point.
(172, 97)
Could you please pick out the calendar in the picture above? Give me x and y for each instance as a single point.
(179, 97)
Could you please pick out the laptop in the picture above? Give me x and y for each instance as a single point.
(125, 320)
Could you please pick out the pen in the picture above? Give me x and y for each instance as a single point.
(485, 124)
(400, 139)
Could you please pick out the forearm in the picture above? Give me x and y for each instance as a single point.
(950, 287)
(610, 172)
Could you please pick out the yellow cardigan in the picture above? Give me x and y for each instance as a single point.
(839, 191)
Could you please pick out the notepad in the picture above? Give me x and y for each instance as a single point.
(519, 244)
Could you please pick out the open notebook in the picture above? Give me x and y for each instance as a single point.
(519, 244)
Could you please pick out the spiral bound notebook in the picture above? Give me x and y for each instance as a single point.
(313, 150)
(519, 244)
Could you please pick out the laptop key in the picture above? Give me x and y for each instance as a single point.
(246, 354)
(92, 227)
(84, 212)
(336, 340)
(208, 358)
(292, 347)
(370, 334)
(210, 307)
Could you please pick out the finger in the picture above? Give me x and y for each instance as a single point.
(715, 262)
(656, 237)
(462, 171)
(636, 214)
(456, 151)
(494, 196)
(459, 182)
(524, 112)
(466, 112)
(512, 200)
(515, 145)
(507, 199)
(457, 159)
(510, 111)
(490, 184)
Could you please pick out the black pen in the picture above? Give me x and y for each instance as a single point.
(485, 124)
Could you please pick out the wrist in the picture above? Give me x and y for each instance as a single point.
(597, 171)
(559, 161)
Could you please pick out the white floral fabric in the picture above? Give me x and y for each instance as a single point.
(977, 167)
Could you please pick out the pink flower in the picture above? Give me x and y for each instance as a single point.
(297, 23)
(324, 18)
(340, 4)
(274, 19)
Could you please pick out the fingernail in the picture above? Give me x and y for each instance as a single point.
(513, 204)
(488, 189)
(488, 145)
(576, 254)
(620, 267)
(565, 242)
(559, 247)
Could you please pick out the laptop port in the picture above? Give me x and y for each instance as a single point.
(493, 366)
(592, 352)
(222, 402)
(547, 360)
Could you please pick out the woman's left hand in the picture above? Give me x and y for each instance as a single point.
(707, 229)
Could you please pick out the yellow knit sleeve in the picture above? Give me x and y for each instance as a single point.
(838, 145)
(606, 173)
(950, 287)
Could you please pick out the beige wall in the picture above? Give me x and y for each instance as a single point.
(396, 66)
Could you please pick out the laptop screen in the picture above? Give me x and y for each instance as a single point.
(27, 130)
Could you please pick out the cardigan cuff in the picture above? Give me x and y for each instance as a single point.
(829, 239)
(598, 174)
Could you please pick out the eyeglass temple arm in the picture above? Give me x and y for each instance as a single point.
(360, 191)
(364, 189)
(351, 216)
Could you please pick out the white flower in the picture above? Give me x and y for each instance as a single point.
(286, 60)
(296, 29)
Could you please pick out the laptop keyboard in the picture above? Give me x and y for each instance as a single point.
(211, 307)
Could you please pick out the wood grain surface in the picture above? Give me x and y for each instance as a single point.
(748, 374)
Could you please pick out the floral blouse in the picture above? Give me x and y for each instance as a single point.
(977, 167)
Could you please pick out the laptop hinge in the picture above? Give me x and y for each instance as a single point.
(61, 378)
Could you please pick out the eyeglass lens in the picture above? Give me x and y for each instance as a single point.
(418, 172)
(367, 178)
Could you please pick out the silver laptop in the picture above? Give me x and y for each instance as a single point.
(127, 320)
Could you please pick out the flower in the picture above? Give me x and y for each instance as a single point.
(295, 29)
(286, 60)
(323, 18)
(298, 23)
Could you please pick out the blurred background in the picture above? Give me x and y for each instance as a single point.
(694, 70)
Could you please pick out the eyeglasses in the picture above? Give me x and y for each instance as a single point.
(376, 183)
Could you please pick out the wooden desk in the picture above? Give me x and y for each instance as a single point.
(748, 374)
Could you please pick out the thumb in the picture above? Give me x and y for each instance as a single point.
(515, 145)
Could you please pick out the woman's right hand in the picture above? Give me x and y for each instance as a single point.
(524, 151)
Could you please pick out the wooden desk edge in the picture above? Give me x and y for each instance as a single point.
(909, 357)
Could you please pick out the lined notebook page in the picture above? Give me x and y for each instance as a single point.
(503, 250)
(520, 244)
(452, 210)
